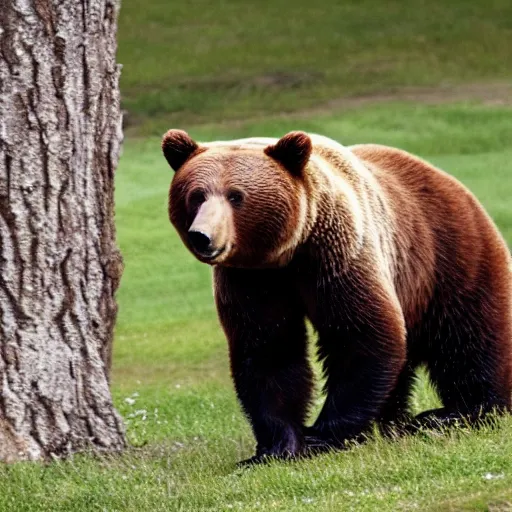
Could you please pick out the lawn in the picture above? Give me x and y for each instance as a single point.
(213, 61)
(238, 68)
(171, 379)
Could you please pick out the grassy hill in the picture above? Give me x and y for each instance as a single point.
(204, 60)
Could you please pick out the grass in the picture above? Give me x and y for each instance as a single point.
(204, 61)
(171, 379)
(232, 69)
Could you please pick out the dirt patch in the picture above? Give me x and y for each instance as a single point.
(487, 94)
(286, 80)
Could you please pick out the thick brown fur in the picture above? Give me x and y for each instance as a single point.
(393, 261)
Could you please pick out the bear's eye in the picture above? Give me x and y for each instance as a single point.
(235, 197)
(196, 199)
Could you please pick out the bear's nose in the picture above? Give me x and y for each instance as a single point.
(200, 242)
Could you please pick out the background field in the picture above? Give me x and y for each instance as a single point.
(215, 61)
(356, 71)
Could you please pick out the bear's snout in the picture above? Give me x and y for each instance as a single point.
(208, 236)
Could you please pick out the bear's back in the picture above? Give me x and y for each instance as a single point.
(446, 204)
(437, 214)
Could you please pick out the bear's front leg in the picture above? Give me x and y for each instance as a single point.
(362, 344)
(265, 326)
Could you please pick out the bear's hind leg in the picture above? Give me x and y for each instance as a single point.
(470, 359)
(444, 417)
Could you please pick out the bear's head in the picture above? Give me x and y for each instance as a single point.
(239, 204)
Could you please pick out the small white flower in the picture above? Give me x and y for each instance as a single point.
(129, 401)
(490, 476)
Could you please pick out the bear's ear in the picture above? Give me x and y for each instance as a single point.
(292, 151)
(178, 147)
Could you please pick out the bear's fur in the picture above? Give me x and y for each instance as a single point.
(394, 262)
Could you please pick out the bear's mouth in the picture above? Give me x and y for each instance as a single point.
(215, 254)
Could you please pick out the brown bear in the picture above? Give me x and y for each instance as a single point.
(394, 262)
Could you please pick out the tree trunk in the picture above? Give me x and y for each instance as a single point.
(60, 135)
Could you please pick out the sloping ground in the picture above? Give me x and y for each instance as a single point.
(205, 61)
(484, 94)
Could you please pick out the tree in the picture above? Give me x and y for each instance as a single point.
(60, 136)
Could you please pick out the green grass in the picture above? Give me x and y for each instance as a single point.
(237, 68)
(205, 60)
(185, 427)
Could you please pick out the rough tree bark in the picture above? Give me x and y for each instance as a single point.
(60, 135)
